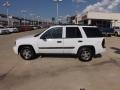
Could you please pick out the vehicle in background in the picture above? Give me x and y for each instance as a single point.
(116, 31)
(35, 27)
(12, 29)
(45, 26)
(3, 30)
(40, 27)
(107, 31)
(25, 28)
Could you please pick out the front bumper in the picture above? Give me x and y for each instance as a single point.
(15, 49)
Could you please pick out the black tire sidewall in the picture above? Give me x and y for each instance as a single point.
(31, 50)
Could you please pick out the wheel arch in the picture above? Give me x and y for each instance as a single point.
(88, 46)
(116, 33)
(21, 46)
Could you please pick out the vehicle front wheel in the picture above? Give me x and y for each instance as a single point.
(27, 53)
(85, 54)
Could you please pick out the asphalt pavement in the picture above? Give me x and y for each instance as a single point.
(58, 72)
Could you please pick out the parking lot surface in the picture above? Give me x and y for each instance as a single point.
(58, 72)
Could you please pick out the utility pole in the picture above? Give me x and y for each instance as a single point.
(38, 17)
(7, 5)
(24, 15)
(33, 18)
(57, 5)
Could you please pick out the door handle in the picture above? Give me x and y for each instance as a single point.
(59, 41)
(80, 41)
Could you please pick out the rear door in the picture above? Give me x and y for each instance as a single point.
(72, 38)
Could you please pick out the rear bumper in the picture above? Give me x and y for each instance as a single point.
(100, 51)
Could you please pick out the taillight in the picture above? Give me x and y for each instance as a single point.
(103, 43)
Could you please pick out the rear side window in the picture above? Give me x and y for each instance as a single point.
(92, 32)
(73, 32)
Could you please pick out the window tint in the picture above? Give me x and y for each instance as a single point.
(1, 27)
(53, 33)
(92, 32)
(73, 32)
(116, 27)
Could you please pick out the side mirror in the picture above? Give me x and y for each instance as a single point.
(44, 38)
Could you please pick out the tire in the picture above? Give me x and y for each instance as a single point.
(27, 53)
(109, 35)
(116, 34)
(85, 54)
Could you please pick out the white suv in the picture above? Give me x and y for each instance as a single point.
(12, 29)
(83, 41)
(3, 30)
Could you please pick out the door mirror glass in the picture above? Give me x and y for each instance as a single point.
(44, 38)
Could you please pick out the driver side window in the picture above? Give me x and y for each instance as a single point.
(53, 33)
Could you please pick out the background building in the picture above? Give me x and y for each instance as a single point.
(71, 19)
(99, 19)
(17, 21)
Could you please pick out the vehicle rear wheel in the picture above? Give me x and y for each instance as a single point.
(85, 54)
(116, 34)
(27, 53)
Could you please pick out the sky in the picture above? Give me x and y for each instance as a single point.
(47, 8)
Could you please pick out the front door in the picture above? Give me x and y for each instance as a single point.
(51, 41)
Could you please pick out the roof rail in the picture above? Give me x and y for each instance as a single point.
(74, 24)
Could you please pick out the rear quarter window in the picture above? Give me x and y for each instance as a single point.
(92, 32)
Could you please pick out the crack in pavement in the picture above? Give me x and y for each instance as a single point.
(3, 76)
